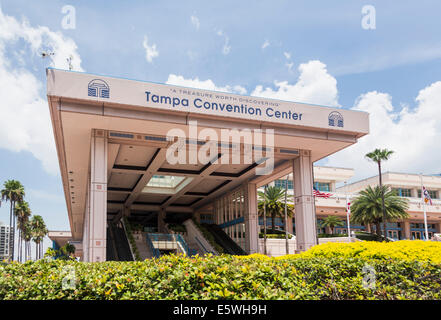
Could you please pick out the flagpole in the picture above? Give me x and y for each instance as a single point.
(424, 207)
(348, 208)
(264, 222)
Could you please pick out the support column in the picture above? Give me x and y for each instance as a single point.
(97, 198)
(251, 218)
(406, 229)
(289, 225)
(161, 223)
(306, 232)
(438, 227)
(368, 228)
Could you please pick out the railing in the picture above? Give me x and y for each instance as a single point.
(164, 240)
(155, 252)
(181, 240)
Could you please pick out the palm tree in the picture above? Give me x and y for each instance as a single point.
(377, 156)
(68, 250)
(39, 231)
(27, 236)
(13, 191)
(274, 197)
(331, 222)
(367, 208)
(22, 213)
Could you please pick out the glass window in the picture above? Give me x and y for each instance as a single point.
(281, 183)
(402, 192)
(322, 186)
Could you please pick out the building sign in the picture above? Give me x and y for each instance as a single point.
(170, 98)
(220, 107)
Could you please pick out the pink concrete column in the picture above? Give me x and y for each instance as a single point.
(251, 218)
(406, 229)
(306, 233)
(85, 256)
(289, 225)
(161, 223)
(98, 197)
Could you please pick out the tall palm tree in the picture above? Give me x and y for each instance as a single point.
(367, 207)
(274, 197)
(39, 231)
(13, 191)
(27, 236)
(331, 222)
(377, 156)
(22, 213)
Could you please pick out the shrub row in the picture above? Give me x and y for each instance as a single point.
(274, 235)
(330, 271)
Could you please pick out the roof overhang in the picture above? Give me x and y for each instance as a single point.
(80, 103)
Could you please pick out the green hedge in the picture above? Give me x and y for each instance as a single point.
(274, 236)
(326, 235)
(222, 277)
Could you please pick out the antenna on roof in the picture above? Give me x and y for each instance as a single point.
(45, 54)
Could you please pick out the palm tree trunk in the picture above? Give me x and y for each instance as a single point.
(264, 223)
(13, 242)
(378, 228)
(273, 222)
(19, 245)
(382, 200)
(11, 237)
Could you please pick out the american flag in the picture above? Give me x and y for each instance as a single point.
(426, 196)
(320, 194)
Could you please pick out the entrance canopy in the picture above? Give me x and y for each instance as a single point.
(141, 122)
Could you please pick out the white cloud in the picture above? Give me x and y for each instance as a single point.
(315, 85)
(203, 84)
(413, 135)
(416, 53)
(25, 121)
(287, 55)
(195, 22)
(226, 48)
(150, 51)
(265, 44)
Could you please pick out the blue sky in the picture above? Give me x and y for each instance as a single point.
(249, 44)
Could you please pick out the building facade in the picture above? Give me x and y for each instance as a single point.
(120, 141)
(405, 185)
(5, 241)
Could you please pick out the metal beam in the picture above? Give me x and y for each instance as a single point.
(152, 168)
(196, 180)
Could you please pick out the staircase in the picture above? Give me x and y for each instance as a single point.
(163, 243)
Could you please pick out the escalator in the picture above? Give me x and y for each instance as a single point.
(110, 247)
(118, 243)
(221, 238)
